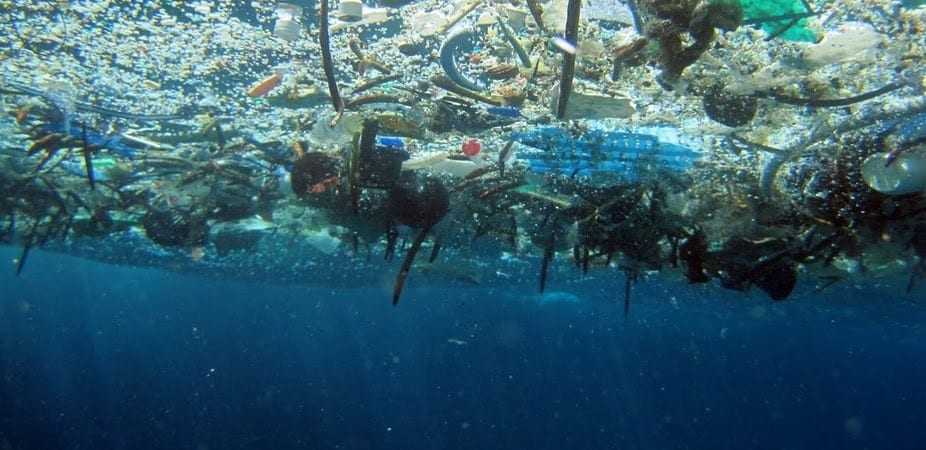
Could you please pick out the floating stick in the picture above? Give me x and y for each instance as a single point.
(569, 59)
(327, 64)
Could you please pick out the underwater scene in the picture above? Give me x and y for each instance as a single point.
(470, 224)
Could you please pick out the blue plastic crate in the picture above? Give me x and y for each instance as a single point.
(553, 150)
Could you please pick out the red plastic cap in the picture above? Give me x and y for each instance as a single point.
(471, 147)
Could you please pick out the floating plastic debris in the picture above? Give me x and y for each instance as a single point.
(564, 45)
(427, 23)
(905, 175)
(784, 18)
(350, 10)
(588, 105)
(471, 147)
(504, 111)
(850, 42)
(288, 25)
(624, 155)
(263, 87)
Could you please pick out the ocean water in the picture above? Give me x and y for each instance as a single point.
(94, 356)
(179, 175)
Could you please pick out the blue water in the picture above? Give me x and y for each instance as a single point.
(101, 357)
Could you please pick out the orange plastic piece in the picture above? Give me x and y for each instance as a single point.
(266, 85)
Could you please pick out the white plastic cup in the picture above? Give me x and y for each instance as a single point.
(288, 25)
(350, 10)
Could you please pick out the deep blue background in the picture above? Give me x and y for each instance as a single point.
(101, 357)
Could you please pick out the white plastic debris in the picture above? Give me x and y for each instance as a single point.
(852, 41)
(287, 25)
(905, 175)
(342, 133)
(588, 105)
(350, 10)
(455, 168)
(428, 23)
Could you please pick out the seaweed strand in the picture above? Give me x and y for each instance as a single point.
(407, 265)
(832, 103)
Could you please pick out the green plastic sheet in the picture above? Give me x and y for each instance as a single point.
(757, 10)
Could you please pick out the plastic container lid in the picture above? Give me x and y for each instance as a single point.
(906, 175)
